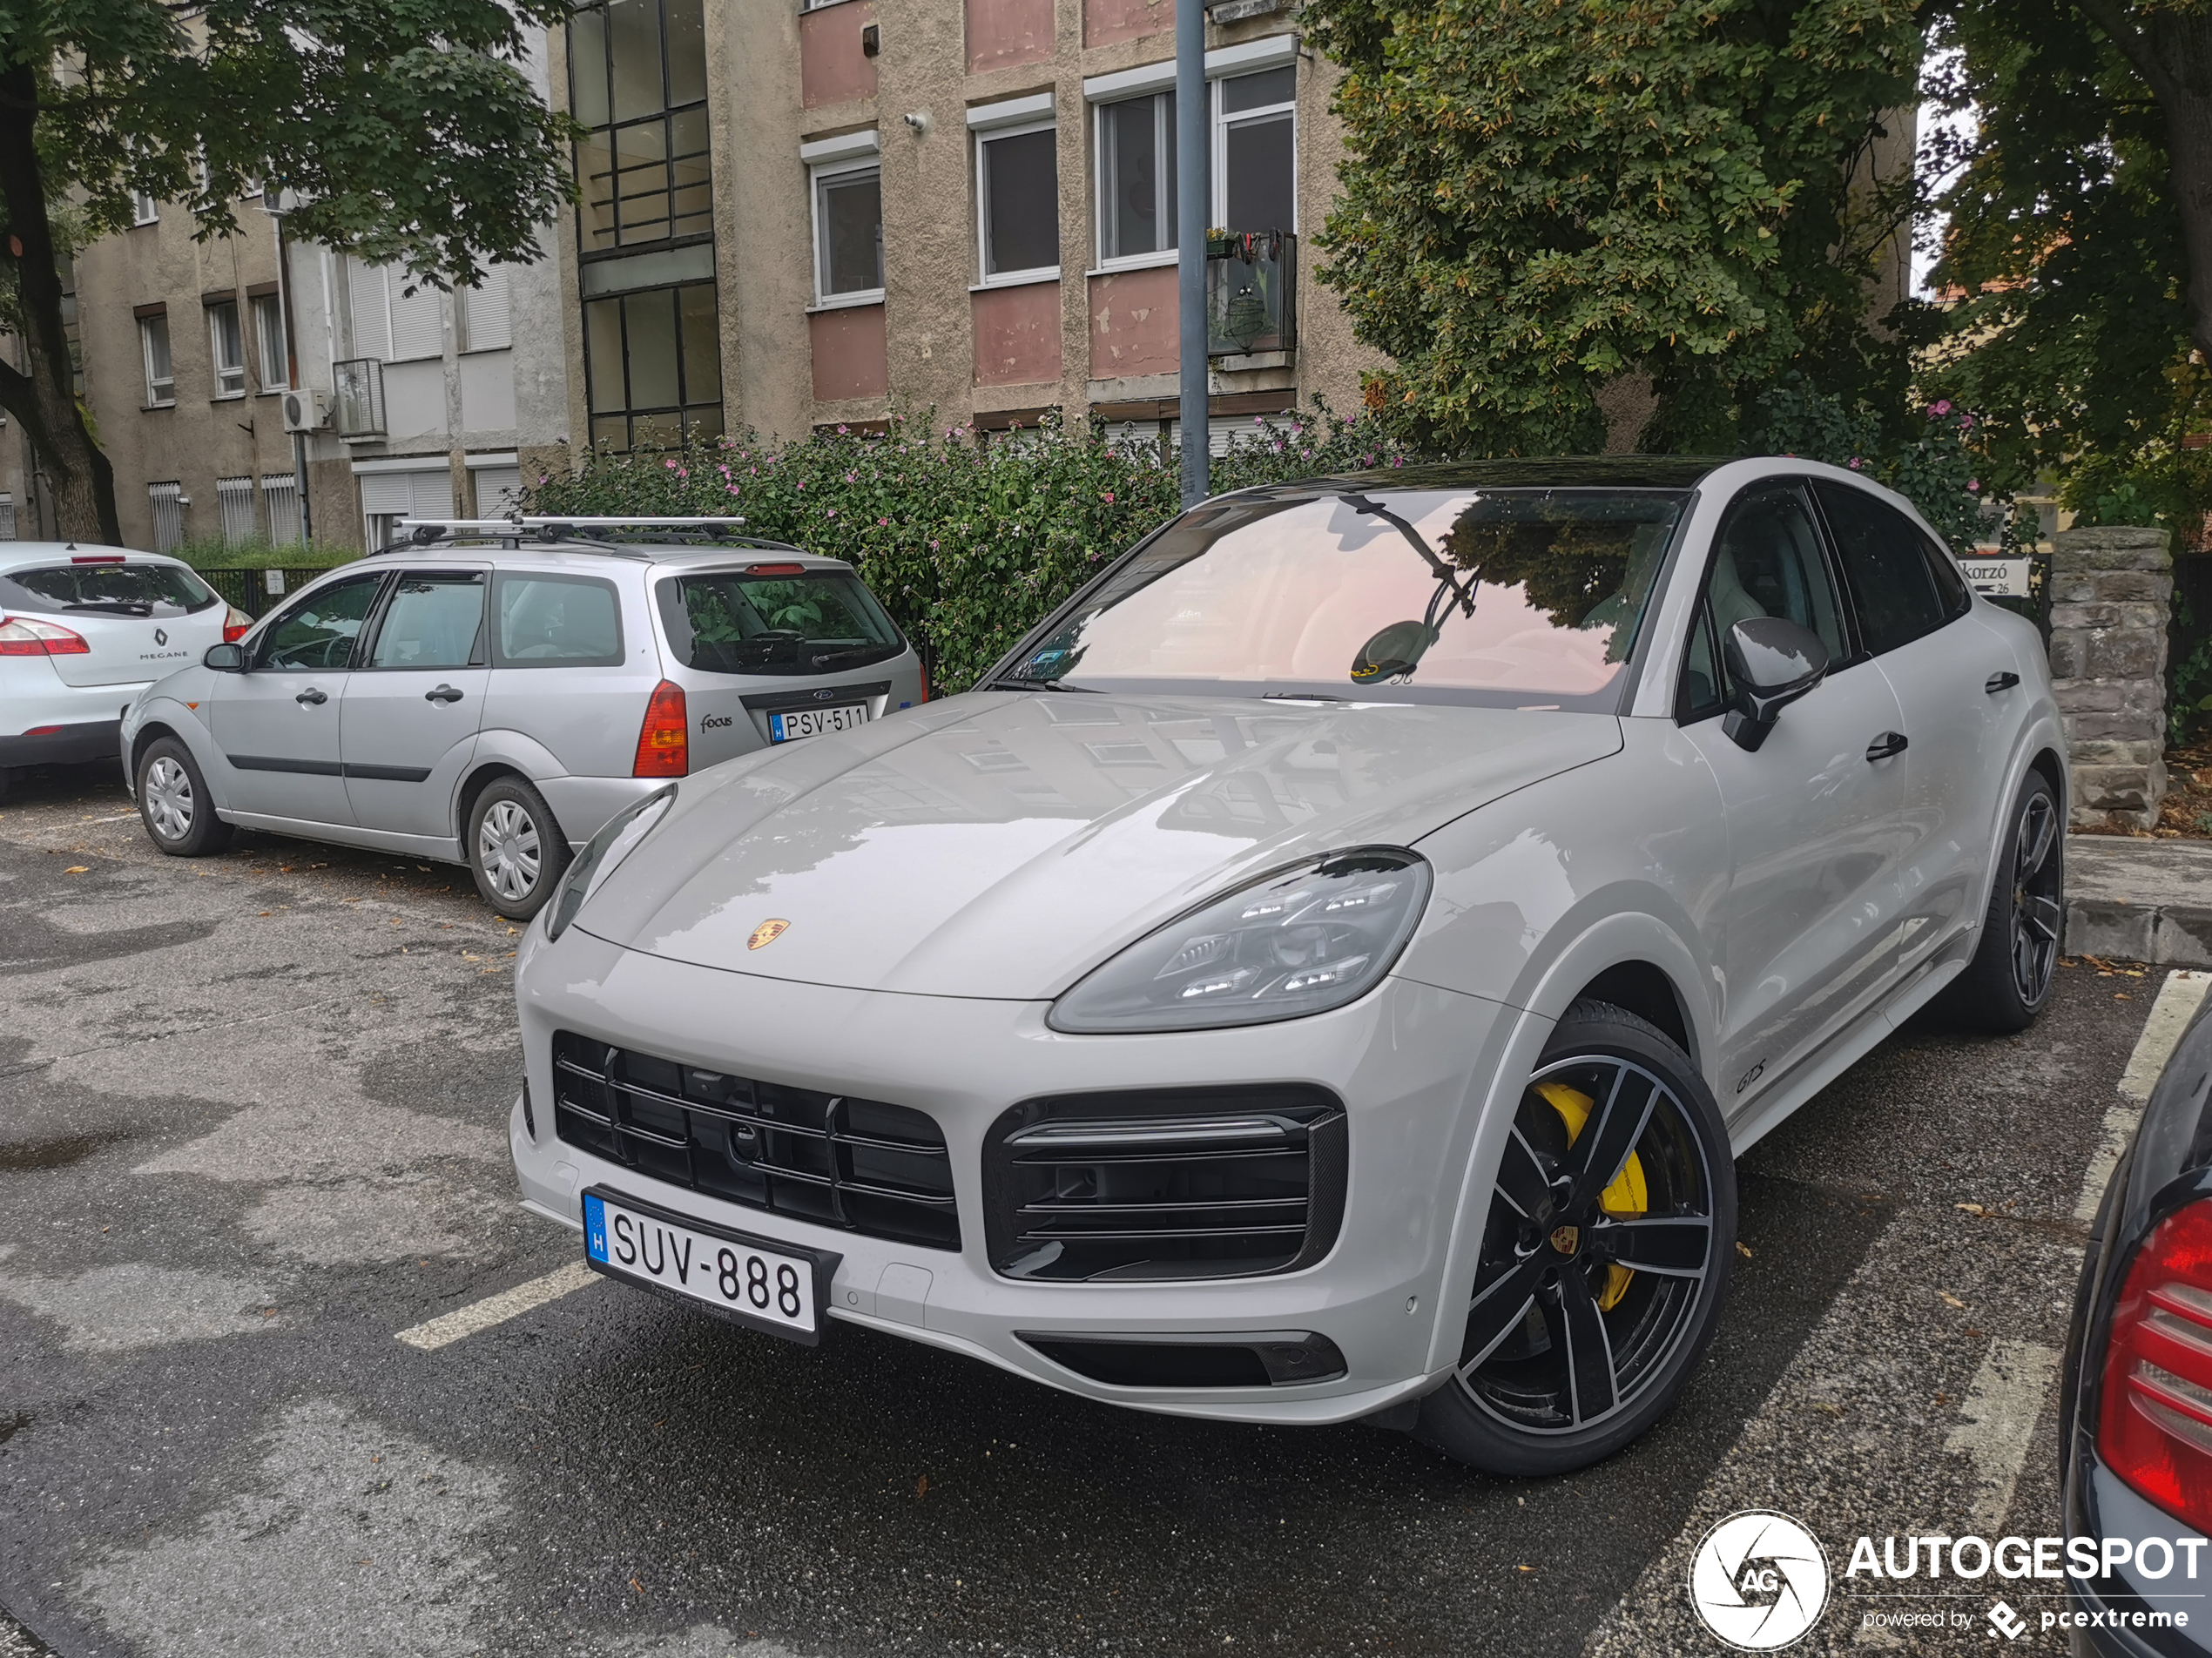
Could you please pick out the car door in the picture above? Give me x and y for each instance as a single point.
(1954, 680)
(277, 723)
(416, 699)
(1807, 932)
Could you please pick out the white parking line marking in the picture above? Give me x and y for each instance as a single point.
(118, 818)
(497, 1310)
(2178, 1000)
(2000, 1407)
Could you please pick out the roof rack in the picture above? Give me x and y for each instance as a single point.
(612, 536)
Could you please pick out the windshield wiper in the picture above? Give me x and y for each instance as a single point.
(111, 607)
(1038, 684)
(821, 656)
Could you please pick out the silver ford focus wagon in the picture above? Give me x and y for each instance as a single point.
(494, 691)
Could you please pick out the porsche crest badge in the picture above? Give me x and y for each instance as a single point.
(767, 933)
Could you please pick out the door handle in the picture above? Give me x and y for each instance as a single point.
(1887, 744)
(442, 694)
(1998, 682)
(311, 695)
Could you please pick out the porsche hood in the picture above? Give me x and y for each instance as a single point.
(999, 845)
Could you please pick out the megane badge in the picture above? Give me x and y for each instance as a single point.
(767, 933)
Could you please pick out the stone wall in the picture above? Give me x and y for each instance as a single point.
(2111, 592)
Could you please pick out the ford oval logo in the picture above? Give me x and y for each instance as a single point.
(823, 696)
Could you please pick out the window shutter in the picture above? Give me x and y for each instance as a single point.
(415, 330)
(372, 317)
(489, 328)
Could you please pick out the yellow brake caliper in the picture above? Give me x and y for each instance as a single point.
(1626, 1195)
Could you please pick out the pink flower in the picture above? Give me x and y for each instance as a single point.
(1973, 484)
(851, 478)
(682, 473)
(671, 465)
(883, 521)
(1106, 495)
(1941, 406)
(1854, 463)
(832, 512)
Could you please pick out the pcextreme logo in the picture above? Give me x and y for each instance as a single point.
(1759, 1580)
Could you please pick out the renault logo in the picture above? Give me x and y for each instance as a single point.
(160, 636)
(766, 934)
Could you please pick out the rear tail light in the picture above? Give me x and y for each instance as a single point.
(23, 636)
(775, 569)
(2154, 1427)
(665, 740)
(99, 558)
(924, 668)
(235, 622)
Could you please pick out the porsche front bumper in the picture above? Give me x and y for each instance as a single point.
(1410, 1062)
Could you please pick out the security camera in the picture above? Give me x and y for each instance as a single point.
(919, 121)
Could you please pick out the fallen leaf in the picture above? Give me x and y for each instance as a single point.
(1742, 1249)
(1951, 1300)
(1969, 1330)
(268, 912)
(1971, 1209)
(2121, 995)
(636, 1585)
(922, 1488)
(78, 869)
(465, 956)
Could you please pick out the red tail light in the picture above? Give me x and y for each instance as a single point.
(775, 569)
(235, 622)
(23, 636)
(924, 667)
(2154, 1428)
(665, 740)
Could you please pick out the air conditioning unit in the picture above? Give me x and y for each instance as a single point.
(307, 410)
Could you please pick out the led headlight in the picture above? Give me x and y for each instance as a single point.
(1298, 942)
(601, 855)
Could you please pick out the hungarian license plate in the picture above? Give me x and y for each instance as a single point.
(813, 722)
(770, 1287)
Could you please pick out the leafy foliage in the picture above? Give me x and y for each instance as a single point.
(1543, 195)
(966, 542)
(2065, 238)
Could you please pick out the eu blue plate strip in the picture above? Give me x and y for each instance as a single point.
(594, 1229)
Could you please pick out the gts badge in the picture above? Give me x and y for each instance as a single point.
(708, 722)
(1749, 1077)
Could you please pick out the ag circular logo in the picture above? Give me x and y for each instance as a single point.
(1759, 1580)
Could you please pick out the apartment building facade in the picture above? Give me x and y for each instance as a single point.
(799, 217)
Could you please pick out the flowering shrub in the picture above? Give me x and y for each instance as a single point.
(1935, 468)
(967, 543)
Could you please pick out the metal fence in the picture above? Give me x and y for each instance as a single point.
(259, 592)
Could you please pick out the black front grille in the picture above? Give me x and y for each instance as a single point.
(1215, 1182)
(861, 1164)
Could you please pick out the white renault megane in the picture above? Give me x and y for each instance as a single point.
(1327, 970)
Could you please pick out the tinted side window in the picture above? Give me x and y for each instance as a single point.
(1767, 562)
(1700, 675)
(435, 619)
(1951, 583)
(320, 630)
(556, 622)
(1885, 564)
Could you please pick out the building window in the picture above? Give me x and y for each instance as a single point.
(1017, 204)
(395, 316)
(1255, 150)
(481, 313)
(1137, 178)
(848, 232)
(653, 365)
(637, 79)
(280, 490)
(144, 209)
(234, 496)
(161, 375)
(268, 338)
(227, 349)
(167, 502)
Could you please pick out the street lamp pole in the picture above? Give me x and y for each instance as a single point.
(1191, 195)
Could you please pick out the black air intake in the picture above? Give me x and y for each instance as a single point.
(1202, 1182)
(861, 1164)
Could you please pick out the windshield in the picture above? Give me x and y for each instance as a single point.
(1520, 596)
(736, 622)
(111, 589)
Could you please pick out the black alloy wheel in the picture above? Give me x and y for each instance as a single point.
(2014, 967)
(1605, 1257)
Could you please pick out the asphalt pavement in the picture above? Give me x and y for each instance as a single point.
(252, 1131)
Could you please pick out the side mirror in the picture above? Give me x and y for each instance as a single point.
(225, 658)
(1772, 661)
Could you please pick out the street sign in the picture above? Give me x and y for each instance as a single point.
(1998, 578)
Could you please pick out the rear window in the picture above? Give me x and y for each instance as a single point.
(108, 590)
(734, 622)
(558, 622)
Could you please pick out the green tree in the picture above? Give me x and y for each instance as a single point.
(403, 128)
(1545, 195)
(2080, 231)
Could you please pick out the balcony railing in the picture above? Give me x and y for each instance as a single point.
(1252, 292)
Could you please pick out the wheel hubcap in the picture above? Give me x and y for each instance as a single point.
(168, 789)
(2037, 873)
(1596, 1251)
(506, 847)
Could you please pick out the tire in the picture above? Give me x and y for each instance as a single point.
(1523, 1400)
(515, 850)
(174, 805)
(2009, 981)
